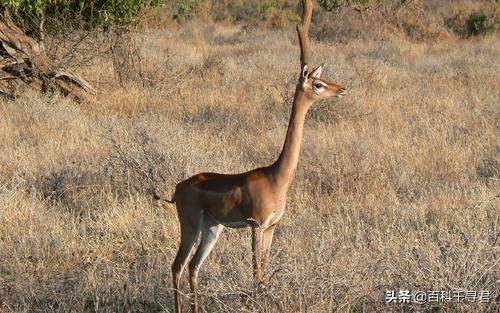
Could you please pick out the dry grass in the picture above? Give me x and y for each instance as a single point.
(397, 186)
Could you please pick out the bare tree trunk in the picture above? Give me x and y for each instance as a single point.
(126, 57)
(25, 64)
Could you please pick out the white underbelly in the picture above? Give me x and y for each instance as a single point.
(230, 224)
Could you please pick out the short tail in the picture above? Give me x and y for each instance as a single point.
(157, 197)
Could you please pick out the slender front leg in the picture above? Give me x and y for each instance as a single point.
(257, 253)
(267, 239)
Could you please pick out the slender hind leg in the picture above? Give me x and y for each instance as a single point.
(210, 232)
(189, 236)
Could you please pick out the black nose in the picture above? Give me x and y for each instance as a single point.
(342, 92)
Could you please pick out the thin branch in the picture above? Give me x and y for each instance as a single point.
(303, 32)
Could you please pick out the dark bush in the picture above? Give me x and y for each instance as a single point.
(475, 23)
(479, 23)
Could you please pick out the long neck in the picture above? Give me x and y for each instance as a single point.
(289, 157)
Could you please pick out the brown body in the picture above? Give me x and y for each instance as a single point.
(233, 200)
(208, 202)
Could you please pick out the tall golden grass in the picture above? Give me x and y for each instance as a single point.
(397, 186)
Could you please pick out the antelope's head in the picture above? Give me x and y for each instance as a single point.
(316, 88)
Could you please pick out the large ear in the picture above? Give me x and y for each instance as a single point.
(305, 71)
(317, 72)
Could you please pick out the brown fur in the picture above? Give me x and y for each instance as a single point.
(255, 198)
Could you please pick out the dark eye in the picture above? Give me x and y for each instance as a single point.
(318, 86)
